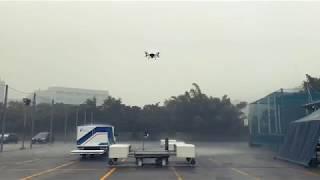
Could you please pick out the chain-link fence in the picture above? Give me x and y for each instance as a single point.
(269, 117)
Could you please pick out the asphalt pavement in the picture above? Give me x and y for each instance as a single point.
(215, 161)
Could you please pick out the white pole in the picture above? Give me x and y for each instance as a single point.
(279, 118)
(269, 114)
(275, 114)
(258, 118)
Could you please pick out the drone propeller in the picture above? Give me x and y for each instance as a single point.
(152, 55)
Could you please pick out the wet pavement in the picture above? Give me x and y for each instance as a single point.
(217, 161)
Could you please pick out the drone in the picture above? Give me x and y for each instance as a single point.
(152, 55)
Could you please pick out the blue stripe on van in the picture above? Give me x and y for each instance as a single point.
(94, 131)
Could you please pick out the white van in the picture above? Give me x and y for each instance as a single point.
(94, 139)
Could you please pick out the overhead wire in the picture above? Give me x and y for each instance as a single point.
(19, 91)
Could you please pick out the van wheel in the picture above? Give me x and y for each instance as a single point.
(158, 161)
(193, 161)
(83, 156)
(139, 162)
(164, 162)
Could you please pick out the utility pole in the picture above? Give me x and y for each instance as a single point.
(4, 114)
(51, 120)
(91, 117)
(26, 102)
(33, 117)
(65, 123)
(77, 117)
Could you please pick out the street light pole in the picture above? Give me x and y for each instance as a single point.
(4, 113)
(26, 102)
(65, 123)
(33, 117)
(77, 117)
(91, 117)
(24, 125)
(85, 116)
(51, 121)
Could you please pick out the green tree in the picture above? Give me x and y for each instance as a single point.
(312, 83)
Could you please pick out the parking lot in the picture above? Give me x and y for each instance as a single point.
(220, 161)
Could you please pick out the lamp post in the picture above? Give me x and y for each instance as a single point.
(145, 136)
(3, 117)
(33, 117)
(26, 102)
(51, 121)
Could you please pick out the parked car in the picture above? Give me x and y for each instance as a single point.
(42, 138)
(10, 138)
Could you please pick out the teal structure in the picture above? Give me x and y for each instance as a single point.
(270, 116)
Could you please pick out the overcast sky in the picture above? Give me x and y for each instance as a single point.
(243, 49)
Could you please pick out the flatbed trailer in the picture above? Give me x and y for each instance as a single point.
(160, 156)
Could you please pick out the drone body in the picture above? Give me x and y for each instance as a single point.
(152, 55)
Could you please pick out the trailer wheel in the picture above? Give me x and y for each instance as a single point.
(115, 159)
(158, 161)
(193, 161)
(111, 162)
(188, 159)
(164, 161)
(139, 162)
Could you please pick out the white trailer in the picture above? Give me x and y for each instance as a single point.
(161, 156)
(94, 139)
(171, 143)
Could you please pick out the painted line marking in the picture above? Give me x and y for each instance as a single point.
(245, 174)
(108, 174)
(179, 177)
(70, 169)
(64, 169)
(303, 171)
(238, 171)
(47, 171)
(310, 173)
(27, 161)
(111, 171)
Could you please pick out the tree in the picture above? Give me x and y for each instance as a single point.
(191, 112)
(312, 83)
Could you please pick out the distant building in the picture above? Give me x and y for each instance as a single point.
(70, 95)
(2, 90)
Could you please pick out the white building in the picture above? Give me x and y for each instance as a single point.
(70, 95)
(2, 90)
